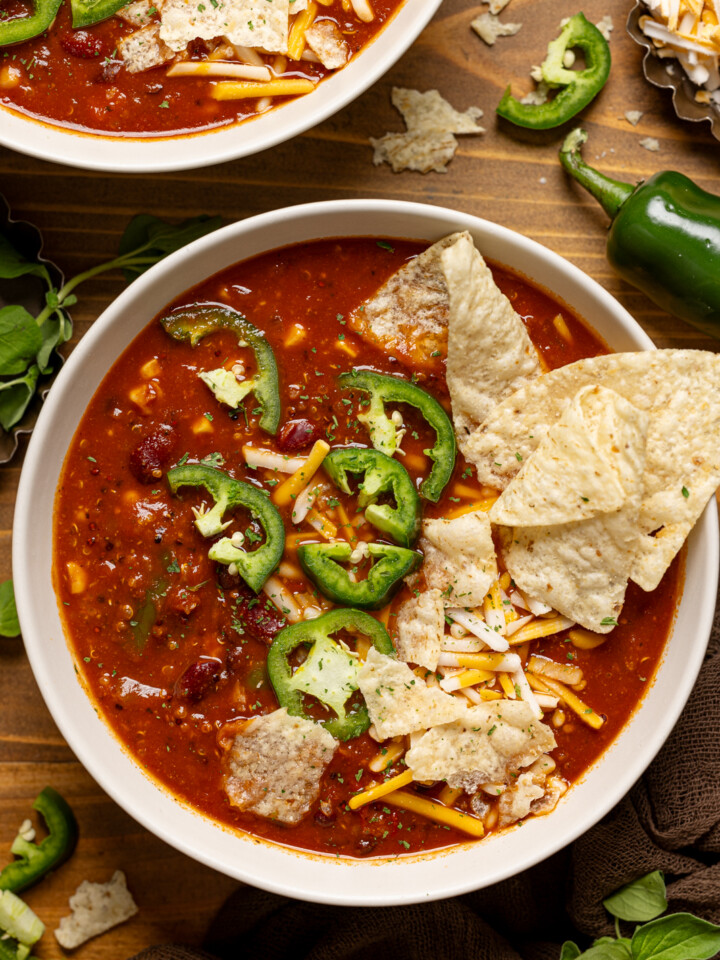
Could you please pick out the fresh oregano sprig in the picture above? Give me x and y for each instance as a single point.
(27, 343)
(676, 936)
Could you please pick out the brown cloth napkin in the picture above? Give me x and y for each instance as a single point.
(669, 821)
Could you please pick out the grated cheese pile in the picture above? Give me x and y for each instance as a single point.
(688, 31)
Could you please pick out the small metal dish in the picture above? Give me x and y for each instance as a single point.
(30, 292)
(656, 73)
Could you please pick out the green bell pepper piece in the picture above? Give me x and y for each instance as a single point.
(87, 12)
(664, 237)
(384, 579)
(330, 671)
(256, 566)
(20, 29)
(577, 87)
(382, 475)
(384, 389)
(37, 859)
(198, 321)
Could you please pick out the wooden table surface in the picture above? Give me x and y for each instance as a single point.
(508, 176)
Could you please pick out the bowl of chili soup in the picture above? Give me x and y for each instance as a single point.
(270, 858)
(149, 121)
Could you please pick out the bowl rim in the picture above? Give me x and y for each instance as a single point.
(117, 154)
(378, 886)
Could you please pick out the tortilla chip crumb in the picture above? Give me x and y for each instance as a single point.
(651, 144)
(489, 28)
(606, 26)
(633, 116)
(429, 142)
(497, 6)
(96, 907)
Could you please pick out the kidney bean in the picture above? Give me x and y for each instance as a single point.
(80, 43)
(109, 70)
(196, 681)
(260, 617)
(151, 454)
(296, 434)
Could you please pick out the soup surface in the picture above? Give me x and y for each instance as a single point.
(119, 77)
(173, 646)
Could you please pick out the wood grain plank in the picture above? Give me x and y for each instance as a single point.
(507, 175)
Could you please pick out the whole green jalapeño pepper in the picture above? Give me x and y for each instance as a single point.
(20, 29)
(200, 320)
(330, 671)
(256, 566)
(381, 475)
(576, 88)
(664, 237)
(321, 562)
(37, 859)
(384, 389)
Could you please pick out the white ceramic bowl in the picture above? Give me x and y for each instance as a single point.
(276, 868)
(157, 154)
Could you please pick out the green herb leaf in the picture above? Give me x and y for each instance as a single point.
(20, 340)
(643, 899)
(569, 951)
(608, 949)
(679, 936)
(13, 264)
(155, 239)
(608, 622)
(9, 625)
(15, 395)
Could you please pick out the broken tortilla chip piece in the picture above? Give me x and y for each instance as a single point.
(489, 27)
(489, 352)
(250, 23)
(408, 316)
(429, 143)
(680, 392)
(275, 765)
(421, 626)
(398, 701)
(590, 462)
(96, 907)
(487, 744)
(459, 558)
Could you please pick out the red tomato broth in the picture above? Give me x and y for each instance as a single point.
(63, 84)
(104, 513)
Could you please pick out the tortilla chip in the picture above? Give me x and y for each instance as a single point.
(408, 316)
(678, 389)
(581, 569)
(421, 627)
(275, 765)
(488, 27)
(489, 352)
(485, 745)
(399, 702)
(429, 143)
(249, 23)
(95, 908)
(328, 44)
(459, 558)
(144, 49)
(591, 462)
